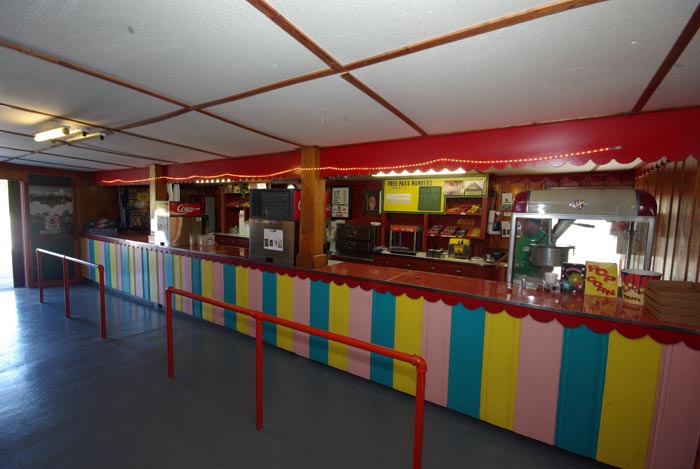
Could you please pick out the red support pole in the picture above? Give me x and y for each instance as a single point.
(103, 319)
(418, 422)
(40, 275)
(65, 285)
(169, 326)
(258, 372)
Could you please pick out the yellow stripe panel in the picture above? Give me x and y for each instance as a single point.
(285, 310)
(339, 323)
(408, 337)
(207, 289)
(242, 298)
(628, 400)
(177, 281)
(132, 269)
(99, 259)
(113, 264)
(499, 374)
(153, 275)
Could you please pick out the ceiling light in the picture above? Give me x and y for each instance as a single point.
(53, 134)
(418, 172)
(84, 135)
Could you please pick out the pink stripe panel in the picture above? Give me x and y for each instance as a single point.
(538, 379)
(161, 278)
(302, 305)
(118, 251)
(138, 272)
(675, 431)
(186, 283)
(254, 296)
(437, 322)
(218, 287)
(360, 327)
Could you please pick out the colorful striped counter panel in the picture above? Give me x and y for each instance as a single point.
(591, 375)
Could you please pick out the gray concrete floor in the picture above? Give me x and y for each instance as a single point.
(69, 399)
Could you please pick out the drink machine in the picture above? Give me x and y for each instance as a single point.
(176, 223)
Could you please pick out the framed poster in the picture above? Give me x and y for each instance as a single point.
(372, 202)
(340, 202)
(50, 211)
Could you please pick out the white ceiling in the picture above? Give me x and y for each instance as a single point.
(175, 82)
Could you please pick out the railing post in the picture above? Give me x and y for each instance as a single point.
(169, 327)
(418, 422)
(65, 285)
(40, 275)
(103, 319)
(258, 372)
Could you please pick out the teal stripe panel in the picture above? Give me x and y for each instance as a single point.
(466, 360)
(196, 286)
(230, 295)
(108, 266)
(91, 253)
(383, 323)
(168, 267)
(146, 277)
(581, 382)
(319, 317)
(269, 305)
(125, 269)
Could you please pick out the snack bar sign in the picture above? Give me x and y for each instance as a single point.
(427, 195)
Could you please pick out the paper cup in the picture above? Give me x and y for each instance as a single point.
(634, 283)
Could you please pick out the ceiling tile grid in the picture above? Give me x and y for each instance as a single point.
(42, 86)
(193, 52)
(356, 29)
(681, 87)
(578, 63)
(593, 60)
(328, 111)
(206, 133)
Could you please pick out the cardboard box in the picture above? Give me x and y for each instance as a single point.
(573, 277)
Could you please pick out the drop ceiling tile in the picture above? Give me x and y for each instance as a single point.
(93, 163)
(209, 134)
(357, 29)
(193, 52)
(53, 164)
(681, 87)
(161, 153)
(103, 156)
(575, 64)
(11, 153)
(41, 86)
(325, 112)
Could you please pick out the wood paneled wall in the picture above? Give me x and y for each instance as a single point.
(676, 188)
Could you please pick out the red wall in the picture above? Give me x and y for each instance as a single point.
(649, 136)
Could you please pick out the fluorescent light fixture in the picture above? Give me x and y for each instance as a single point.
(418, 172)
(53, 134)
(84, 135)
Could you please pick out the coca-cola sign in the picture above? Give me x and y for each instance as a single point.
(179, 209)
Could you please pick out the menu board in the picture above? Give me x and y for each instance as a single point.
(427, 195)
(274, 204)
(340, 202)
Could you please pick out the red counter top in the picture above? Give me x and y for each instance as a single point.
(568, 308)
(571, 310)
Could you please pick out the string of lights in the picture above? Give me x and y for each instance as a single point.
(230, 177)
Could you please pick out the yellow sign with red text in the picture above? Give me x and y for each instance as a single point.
(601, 279)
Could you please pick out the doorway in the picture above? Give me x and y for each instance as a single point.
(6, 275)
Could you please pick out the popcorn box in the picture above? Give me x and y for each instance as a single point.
(601, 279)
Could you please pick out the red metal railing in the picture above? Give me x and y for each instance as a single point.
(66, 293)
(415, 360)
